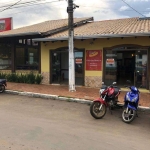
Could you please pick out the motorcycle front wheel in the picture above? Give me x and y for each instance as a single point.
(128, 115)
(98, 110)
(2, 88)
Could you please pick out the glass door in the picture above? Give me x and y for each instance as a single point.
(79, 68)
(140, 79)
(56, 67)
(110, 65)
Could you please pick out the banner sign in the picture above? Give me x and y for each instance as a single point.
(78, 60)
(94, 60)
(110, 61)
(5, 24)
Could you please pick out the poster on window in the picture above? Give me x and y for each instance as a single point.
(94, 60)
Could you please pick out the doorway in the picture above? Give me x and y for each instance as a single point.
(60, 67)
(126, 63)
(125, 67)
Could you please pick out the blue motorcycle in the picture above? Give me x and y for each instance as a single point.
(131, 101)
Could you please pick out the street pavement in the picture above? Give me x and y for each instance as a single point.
(29, 123)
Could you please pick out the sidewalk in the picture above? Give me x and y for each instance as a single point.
(62, 90)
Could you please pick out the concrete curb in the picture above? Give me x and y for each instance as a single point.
(48, 96)
(56, 97)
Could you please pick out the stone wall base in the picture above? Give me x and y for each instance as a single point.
(46, 77)
(93, 81)
(89, 81)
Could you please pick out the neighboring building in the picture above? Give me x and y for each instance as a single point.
(110, 50)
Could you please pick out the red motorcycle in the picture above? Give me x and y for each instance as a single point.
(108, 98)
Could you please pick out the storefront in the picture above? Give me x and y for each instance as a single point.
(126, 62)
(100, 55)
(20, 56)
(105, 60)
(59, 66)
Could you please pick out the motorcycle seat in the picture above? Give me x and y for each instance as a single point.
(2, 80)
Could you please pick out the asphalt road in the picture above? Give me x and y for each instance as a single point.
(28, 123)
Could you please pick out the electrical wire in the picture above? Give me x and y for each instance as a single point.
(26, 4)
(11, 6)
(38, 2)
(132, 8)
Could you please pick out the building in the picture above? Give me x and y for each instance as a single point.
(109, 50)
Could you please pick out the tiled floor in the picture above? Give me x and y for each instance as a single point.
(63, 90)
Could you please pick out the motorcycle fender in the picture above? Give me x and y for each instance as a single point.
(100, 100)
(131, 107)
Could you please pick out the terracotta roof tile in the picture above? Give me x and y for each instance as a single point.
(42, 27)
(118, 26)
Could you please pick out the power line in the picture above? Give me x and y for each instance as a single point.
(133, 8)
(19, 3)
(11, 6)
(32, 4)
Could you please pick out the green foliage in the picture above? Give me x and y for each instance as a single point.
(2, 75)
(38, 79)
(12, 77)
(30, 78)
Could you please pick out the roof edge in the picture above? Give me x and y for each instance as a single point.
(92, 36)
(20, 34)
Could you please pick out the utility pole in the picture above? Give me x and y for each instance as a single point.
(70, 9)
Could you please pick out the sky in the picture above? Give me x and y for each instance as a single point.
(28, 12)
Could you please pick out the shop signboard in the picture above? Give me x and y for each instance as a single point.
(5, 24)
(78, 60)
(110, 61)
(94, 60)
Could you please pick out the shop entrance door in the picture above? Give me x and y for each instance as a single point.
(125, 67)
(56, 67)
(126, 63)
(60, 67)
(79, 68)
(110, 67)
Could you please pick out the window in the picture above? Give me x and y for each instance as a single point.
(27, 58)
(5, 56)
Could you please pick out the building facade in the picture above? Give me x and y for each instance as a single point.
(113, 50)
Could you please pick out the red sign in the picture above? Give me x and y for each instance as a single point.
(5, 24)
(110, 61)
(78, 61)
(94, 60)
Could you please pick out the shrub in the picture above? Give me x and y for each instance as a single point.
(12, 77)
(30, 78)
(38, 78)
(2, 75)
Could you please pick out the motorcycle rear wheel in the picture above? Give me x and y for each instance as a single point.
(95, 112)
(128, 116)
(2, 88)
